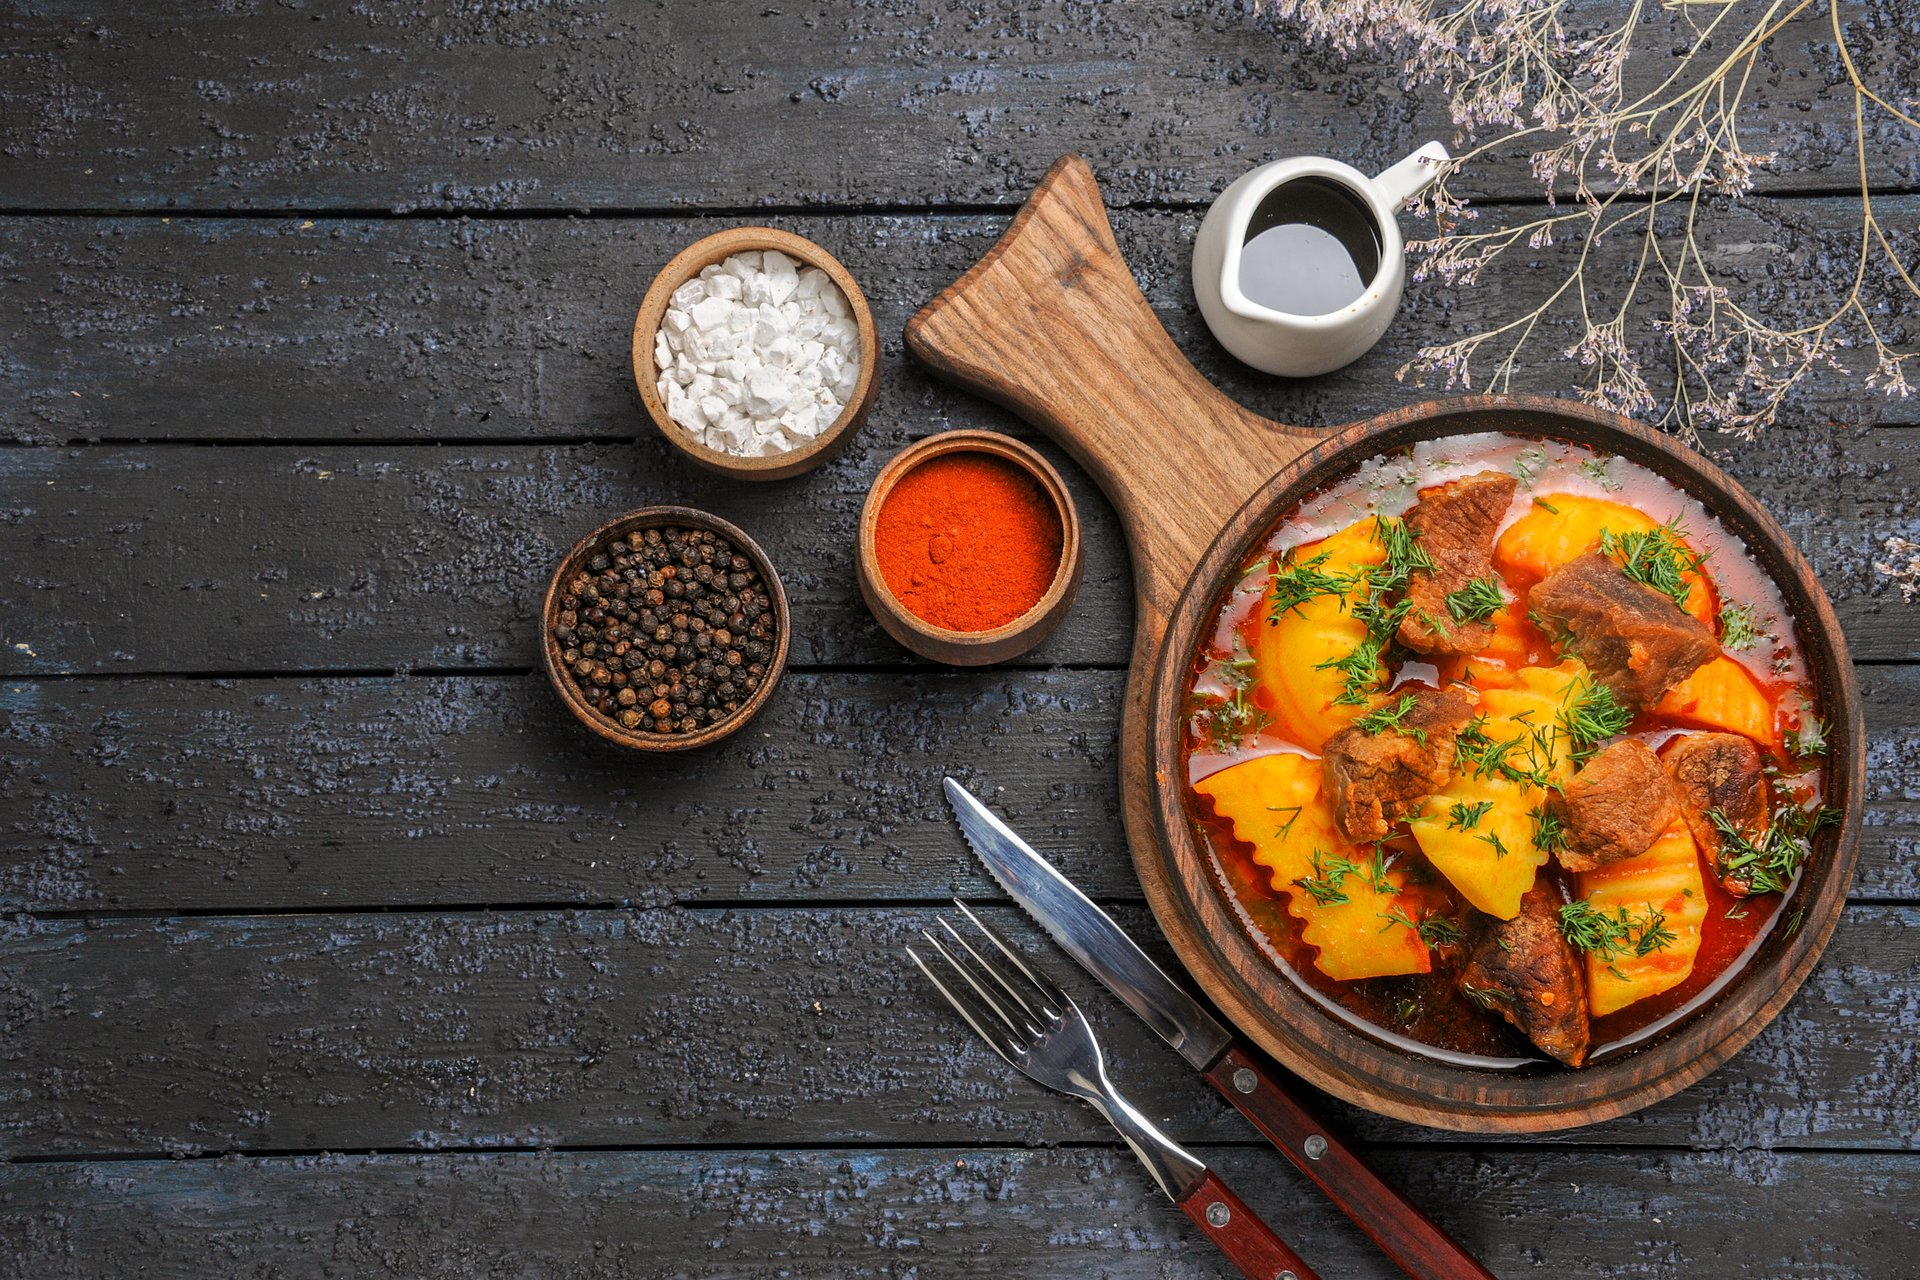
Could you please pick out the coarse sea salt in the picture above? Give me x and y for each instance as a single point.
(757, 356)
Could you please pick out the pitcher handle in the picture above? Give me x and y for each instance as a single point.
(1411, 176)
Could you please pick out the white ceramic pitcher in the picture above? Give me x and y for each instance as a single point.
(1302, 345)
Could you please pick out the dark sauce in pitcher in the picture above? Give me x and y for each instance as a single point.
(1312, 247)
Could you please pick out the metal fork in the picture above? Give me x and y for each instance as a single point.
(1038, 1028)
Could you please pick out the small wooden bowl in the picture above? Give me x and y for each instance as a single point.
(575, 560)
(970, 648)
(687, 264)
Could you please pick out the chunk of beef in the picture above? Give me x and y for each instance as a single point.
(1635, 640)
(1615, 807)
(1374, 778)
(1524, 970)
(1454, 524)
(1720, 772)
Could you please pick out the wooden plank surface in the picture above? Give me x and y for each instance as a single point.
(278, 794)
(734, 1026)
(299, 855)
(357, 330)
(159, 106)
(988, 1212)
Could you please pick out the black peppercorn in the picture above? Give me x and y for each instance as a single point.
(648, 664)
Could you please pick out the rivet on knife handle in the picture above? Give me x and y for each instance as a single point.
(1248, 1242)
(1414, 1241)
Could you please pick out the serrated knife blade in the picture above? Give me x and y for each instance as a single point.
(1089, 934)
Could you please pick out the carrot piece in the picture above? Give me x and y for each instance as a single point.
(1666, 879)
(1275, 804)
(1723, 695)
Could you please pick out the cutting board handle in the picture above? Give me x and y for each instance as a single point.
(1050, 324)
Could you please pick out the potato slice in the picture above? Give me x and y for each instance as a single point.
(1289, 650)
(1493, 859)
(1275, 804)
(1666, 878)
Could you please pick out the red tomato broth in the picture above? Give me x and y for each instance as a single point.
(1425, 1013)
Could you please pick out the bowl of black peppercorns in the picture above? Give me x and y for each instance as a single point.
(666, 629)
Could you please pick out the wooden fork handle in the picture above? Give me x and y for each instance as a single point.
(1248, 1242)
(1414, 1241)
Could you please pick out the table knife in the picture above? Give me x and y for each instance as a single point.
(1414, 1242)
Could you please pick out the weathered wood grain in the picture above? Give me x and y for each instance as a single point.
(442, 329)
(704, 1027)
(164, 106)
(257, 795)
(952, 1212)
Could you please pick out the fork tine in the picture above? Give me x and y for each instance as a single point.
(969, 1010)
(1050, 993)
(1040, 1017)
(1021, 1027)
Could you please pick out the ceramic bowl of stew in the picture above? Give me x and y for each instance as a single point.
(1250, 680)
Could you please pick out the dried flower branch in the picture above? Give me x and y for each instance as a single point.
(1903, 573)
(1643, 175)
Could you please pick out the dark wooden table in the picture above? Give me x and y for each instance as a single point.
(334, 948)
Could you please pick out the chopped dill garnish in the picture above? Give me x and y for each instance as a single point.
(1809, 739)
(1588, 928)
(1360, 670)
(1549, 832)
(1738, 911)
(1795, 920)
(1597, 472)
(1394, 916)
(1739, 625)
(1493, 838)
(1768, 864)
(1386, 717)
(1485, 997)
(1656, 557)
(1280, 832)
(1439, 931)
(1478, 600)
(1225, 722)
(1329, 873)
(1590, 716)
(1465, 817)
(1295, 584)
(1527, 463)
(1406, 1009)
(1546, 506)
(1474, 750)
(1375, 872)
(1402, 545)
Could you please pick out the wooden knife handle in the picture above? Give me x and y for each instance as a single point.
(1414, 1241)
(1248, 1242)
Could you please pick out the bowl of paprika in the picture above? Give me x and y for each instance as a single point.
(969, 548)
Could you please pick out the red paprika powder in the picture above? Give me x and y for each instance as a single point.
(968, 541)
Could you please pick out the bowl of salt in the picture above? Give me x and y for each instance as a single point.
(755, 353)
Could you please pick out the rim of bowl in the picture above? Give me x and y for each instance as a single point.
(687, 264)
(648, 518)
(1028, 459)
